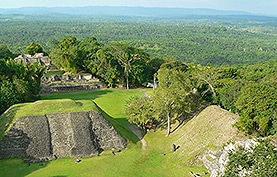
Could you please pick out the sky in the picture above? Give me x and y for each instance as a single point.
(253, 6)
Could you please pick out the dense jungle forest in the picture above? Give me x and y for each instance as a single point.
(205, 40)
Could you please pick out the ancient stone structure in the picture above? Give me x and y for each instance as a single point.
(38, 57)
(216, 160)
(56, 79)
(66, 83)
(51, 136)
(69, 88)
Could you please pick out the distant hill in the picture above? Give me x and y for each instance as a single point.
(120, 11)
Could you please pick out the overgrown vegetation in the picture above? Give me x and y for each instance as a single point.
(260, 160)
(114, 63)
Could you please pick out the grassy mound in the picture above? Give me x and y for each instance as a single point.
(42, 107)
(212, 128)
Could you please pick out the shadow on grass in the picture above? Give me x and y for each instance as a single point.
(78, 95)
(16, 167)
(7, 118)
(121, 126)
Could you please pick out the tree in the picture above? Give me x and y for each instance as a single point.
(64, 55)
(18, 83)
(229, 93)
(128, 57)
(107, 67)
(206, 81)
(170, 102)
(34, 48)
(87, 53)
(140, 111)
(171, 98)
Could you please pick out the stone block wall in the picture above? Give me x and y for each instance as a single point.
(106, 135)
(77, 134)
(61, 134)
(69, 88)
(84, 138)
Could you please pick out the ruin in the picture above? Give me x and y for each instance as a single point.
(59, 135)
(38, 57)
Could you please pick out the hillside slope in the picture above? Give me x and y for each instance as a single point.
(212, 128)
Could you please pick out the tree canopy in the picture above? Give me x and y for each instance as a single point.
(18, 83)
(34, 48)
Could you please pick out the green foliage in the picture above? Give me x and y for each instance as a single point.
(140, 111)
(257, 105)
(249, 90)
(5, 52)
(172, 97)
(64, 54)
(34, 48)
(258, 161)
(132, 60)
(206, 81)
(228, 94)
(170, 102)
(18, 83)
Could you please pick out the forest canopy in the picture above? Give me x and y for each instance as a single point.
(204, 40)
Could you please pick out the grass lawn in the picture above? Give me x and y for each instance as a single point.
(155, 160)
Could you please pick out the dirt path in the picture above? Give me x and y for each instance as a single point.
(137, 132)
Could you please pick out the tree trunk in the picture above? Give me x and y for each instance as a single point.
(211, 87)
(127, 82)
(168, 124)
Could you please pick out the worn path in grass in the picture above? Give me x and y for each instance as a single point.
(138, 133)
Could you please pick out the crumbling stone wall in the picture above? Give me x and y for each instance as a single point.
(38, 57)
(64, 83)
(46, 137)
(216, 160)
(61, 134)
(69, 88)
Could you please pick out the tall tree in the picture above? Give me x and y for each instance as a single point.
(86, 53)
(171, 98)
(107, 67)
(127, 57)
(140, 110)
(207, 80)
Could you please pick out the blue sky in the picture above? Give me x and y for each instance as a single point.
(254, 6)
